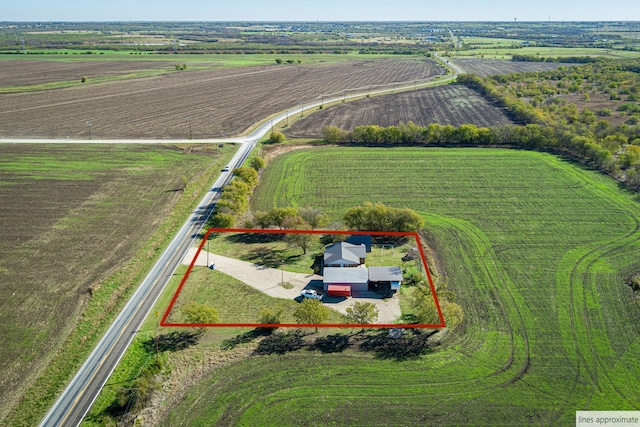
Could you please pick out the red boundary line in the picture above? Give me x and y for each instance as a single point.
(415, 235)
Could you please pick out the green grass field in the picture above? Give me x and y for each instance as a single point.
(537, 251)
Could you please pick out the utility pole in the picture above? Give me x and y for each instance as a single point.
(282, 269)
(90, 132)
(190, 130)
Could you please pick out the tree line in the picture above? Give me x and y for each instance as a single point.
(544, 120)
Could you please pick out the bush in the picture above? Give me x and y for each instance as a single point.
(277, 137)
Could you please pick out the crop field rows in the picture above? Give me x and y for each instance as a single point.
(537, 252)
(31, 73)
(200, 104)
(446, 105)
(71, 215)
(489, 67)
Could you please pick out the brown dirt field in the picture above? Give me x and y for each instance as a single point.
(217, 102)
(488, 67)
(28, 72)
(71, 215)
(447, 105)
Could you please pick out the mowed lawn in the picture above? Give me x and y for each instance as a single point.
(537, 251)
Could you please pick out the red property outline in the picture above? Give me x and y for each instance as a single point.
(415, 235)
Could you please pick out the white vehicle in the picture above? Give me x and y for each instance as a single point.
(226, 168)
(310, 293)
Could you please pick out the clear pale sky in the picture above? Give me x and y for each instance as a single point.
(323, 10)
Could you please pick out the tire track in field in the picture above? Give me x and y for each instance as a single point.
(578, 279)
(579, 275)
(483, 247)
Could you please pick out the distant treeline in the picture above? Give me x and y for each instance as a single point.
(565, 59)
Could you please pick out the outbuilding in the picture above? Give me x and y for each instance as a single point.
(390, 277)
(356, 279)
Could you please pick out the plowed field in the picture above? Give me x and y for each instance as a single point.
(26, 73)
(71, 215)
(447, 105)
(204, 104)
(488, 67)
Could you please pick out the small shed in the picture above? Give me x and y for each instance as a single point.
(386, 276)
(357, 279)
(338, 291)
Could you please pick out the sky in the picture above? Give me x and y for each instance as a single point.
(319, 10)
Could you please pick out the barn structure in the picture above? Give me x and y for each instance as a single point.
(357, 279)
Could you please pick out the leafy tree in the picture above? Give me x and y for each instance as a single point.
(311, 311)
(277, 216)
(333, 134)
(278, 61)
(269, 316)
(424, 306)
(277, 137)
(378, 217)
(247, 174)
(261, 219)
(453, 314)
(362, 312)
(631, 156)
(314, 217)
(200, 313)
(257, 163)
(302, 240)
(222, 220)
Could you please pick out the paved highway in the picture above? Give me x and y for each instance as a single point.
(81, 392)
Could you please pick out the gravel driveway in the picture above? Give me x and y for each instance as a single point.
(269, 281)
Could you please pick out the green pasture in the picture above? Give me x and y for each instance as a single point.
(488, 42)
(537, 251)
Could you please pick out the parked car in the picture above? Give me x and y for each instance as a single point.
(310, 293)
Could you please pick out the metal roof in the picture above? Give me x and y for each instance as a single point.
(345, 275)
(385, 274)
(344, 251)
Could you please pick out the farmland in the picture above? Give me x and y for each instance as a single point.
(197, 104)
(447, 105)
(488, 67)
(537, 252)
(72, 217)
